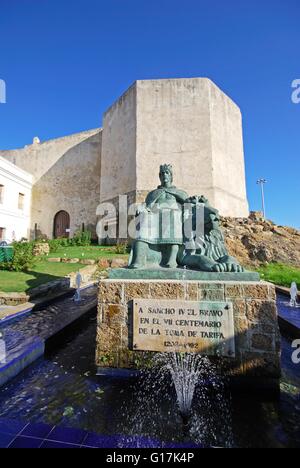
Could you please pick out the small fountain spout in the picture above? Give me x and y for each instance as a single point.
(294, 294)
(186, 417)
(78, 281)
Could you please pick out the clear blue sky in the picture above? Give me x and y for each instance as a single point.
(66, 61)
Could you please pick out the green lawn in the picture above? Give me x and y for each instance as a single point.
(282, 275)
(43, 272)
(93, 252)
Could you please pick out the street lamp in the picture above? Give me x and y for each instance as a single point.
(262, 182)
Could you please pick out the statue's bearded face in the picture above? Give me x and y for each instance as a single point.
(165, 176)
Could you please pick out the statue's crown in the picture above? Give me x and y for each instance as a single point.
(166, 167)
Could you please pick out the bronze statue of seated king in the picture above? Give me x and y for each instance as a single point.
(159, 230)
(168, 235)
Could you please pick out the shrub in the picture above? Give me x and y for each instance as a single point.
(122, 248)
(81, 238)
(63, 241)
(23, 259)
(54, 244)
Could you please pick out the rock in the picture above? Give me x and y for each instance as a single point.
(263, 254)
(41, 249)
(255, 241)
(87, 261)
(256, 215)
(70, 260)
(103, 263)
(257, 228)
(291, 231)
(54, 260)
(280, 231)
(103, 274)
(13, 298)
(119, 263)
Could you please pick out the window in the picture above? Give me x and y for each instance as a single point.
(21, 201)
(2, 234)
(1, 193)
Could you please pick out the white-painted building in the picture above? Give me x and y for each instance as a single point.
(15, 202)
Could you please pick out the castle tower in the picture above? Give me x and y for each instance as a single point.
(189, 123)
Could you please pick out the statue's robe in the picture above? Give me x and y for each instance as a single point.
(161, 219)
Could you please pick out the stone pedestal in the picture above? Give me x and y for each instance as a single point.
(257, 339)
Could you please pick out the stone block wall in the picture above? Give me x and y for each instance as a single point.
(113, 218)
(257, 336)
(66, 176)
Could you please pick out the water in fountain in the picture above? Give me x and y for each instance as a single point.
(185, 370)
(201, 396)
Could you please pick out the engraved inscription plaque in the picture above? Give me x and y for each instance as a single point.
(184, 326)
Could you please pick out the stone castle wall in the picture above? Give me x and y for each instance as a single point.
(38, 158)
(189, 123)
(118, 157)
(66, 177)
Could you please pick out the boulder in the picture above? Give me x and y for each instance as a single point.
(72, 260)
(13, 298)
(103, 263)
(256, 215)
(41, 249)
(119, 263)
(87, 261)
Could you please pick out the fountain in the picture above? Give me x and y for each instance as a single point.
(185, 307)
(78, 282)
(181, 398)
(2, 349)
(185, 370)
(293, 294)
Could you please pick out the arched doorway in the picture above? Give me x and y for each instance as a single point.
(61, 224)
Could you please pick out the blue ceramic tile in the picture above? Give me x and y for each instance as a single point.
(66, 434)
(11, 426)
(101, 441)
(288, 313)
(26, 442)
(5, 440)
(51, 444)
(37, 430)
